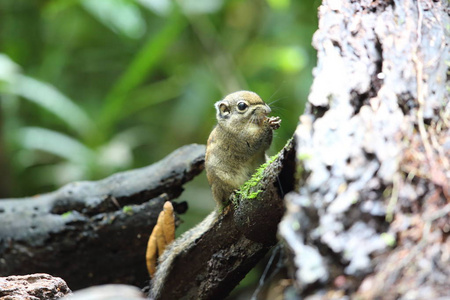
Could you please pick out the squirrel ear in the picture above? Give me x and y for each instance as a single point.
(223, 110)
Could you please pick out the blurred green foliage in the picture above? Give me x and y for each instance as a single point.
(89, 88)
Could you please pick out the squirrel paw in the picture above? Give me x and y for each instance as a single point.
(274, 122)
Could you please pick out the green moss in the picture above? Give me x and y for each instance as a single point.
(254, 194)
(247, 190)
(304, 156)
(388, 239)
(66, 214)
(127, 209)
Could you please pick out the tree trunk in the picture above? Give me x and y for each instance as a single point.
(370, 216)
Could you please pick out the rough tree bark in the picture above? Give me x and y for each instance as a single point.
(92, 233)
(370, 217)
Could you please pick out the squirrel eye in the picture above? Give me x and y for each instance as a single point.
(242, 106)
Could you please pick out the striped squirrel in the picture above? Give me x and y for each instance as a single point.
(235, 148)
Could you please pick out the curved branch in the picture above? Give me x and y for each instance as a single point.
(93, 232)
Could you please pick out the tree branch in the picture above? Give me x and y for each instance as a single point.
(93, 232)
(244, 233)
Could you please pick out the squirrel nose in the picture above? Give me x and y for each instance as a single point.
(268, 110)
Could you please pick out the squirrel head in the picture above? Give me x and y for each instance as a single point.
(241, 109)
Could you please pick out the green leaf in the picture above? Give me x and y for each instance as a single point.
(121, 16)
(279, 4)
(290, 59)
(9, 71)
(48, 97)
(36, 138)
(140, 67)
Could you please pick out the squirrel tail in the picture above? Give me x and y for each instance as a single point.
(184, 242)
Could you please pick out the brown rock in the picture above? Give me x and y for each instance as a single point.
(32, 287)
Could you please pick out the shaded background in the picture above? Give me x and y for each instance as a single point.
(89, 88)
